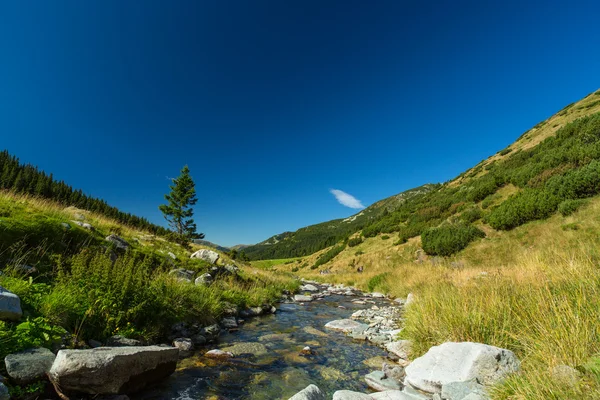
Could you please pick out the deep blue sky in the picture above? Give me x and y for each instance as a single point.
(274, 103)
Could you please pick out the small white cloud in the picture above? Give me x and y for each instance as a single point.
(346, 199)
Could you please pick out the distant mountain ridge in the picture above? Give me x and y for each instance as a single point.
(211, 244)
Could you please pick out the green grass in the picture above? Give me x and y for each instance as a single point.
(265, 264)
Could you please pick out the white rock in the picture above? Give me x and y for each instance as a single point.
(378, 295)
(393, 395)
(309, 288)
(350, 395)
(459, 362)
(206, 255)
(346, 325)
(10, 306)
(311, 392)
(216, 353)
(401, 348)
(409, 299)
(301, 298)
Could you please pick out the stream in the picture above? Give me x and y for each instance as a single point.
(277, 370)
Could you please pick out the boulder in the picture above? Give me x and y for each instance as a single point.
(232, 269)
(4, 393)
(84, 225)
(396, 395)
(311, 392)
(184, 344)
(300, 298)
(211, 332)
(204, 279)
(401, 348)
(460, 362)
(346, 325)
(378, 381)
(10, 306)
(378, 295)
(409, 299)
(112, 370)
(229, 323)
(119, 242)
(182, 274)
(309, 288)
(29, 365)
(120, 341)
(198, 340)
(460, 390)
(206, 255)
(350, 395)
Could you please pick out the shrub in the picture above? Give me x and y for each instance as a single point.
(377, 281)
(355, 241)
(449, 239)
(568, 207)
(471, 215)
(526, 206)
(505, 151)
(359, 252)
(385, 237)
(328, 256)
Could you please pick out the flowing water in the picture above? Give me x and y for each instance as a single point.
(277, 370)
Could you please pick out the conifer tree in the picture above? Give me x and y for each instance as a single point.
(178, 212)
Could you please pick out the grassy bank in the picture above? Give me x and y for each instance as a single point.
(534, 290)
(82, 287)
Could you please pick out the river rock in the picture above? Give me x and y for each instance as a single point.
(219, 354)
(184, 344)
(300, 298)
(350, 395)
(29, 365)
(256, 349)
(4, 393)
(198, 340)
(377, 380)
(311, 392)
(211, 332)
(10, 306)
(119, 242)
(182, 274)
(204, 279)
(399, 395)
(460, 362)
(460, 390)
(378, 295)
(206, 255)
(120, 341)
(400, 348)
(309, 288)
(229, 323)
(112, 370)
(346, 325)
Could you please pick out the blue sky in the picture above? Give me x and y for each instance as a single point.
(273, 104)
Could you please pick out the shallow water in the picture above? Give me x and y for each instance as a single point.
(338, 362)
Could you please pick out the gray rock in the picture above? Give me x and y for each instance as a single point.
(251, 312)
(309, 288)
(84, 225)
(253, 348)
(566, 375)
(400, 348)
(65, 225)
(182, 274)
(115, 370)
(377, 380)
(206, 255)
(300, 298)
(460, 362)
(232, 269)
(346, 325)
(311, 392)
(350, 395)
(198, 340)
(395, 372)
(4, 393)
(460, 390)
(120, 341)
(29, 365)
(219, 354)
(184, 344)
(211, 332)
(378, 295)
(395, 395)
(204, 279)
(10, 306)
(416, 394)
(94, 343)
(409, 299)
(229, 323)
(119, 242)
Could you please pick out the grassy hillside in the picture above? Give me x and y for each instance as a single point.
(505, 254)
(74, 285)
(313, 238)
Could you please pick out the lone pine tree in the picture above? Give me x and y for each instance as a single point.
(178, 212)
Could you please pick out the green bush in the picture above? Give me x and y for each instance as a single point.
(471, 215)
(355, 241)
(329, 255)
(505, 151)
(378, 281)
(449, 239)
(385, 237)
(568, 207)
(529, 205)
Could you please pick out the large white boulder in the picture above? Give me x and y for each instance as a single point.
(346, 325)
(206, 255)
(311, 392)
(460, 362)
(112, 370)
(350, 395)
(10, 306)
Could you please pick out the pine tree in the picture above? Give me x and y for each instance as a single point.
(179, 211)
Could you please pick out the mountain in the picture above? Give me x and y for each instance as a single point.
(313, 238)
(210, 244)
(550, 167)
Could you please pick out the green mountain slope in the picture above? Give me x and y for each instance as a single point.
(313, 238)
